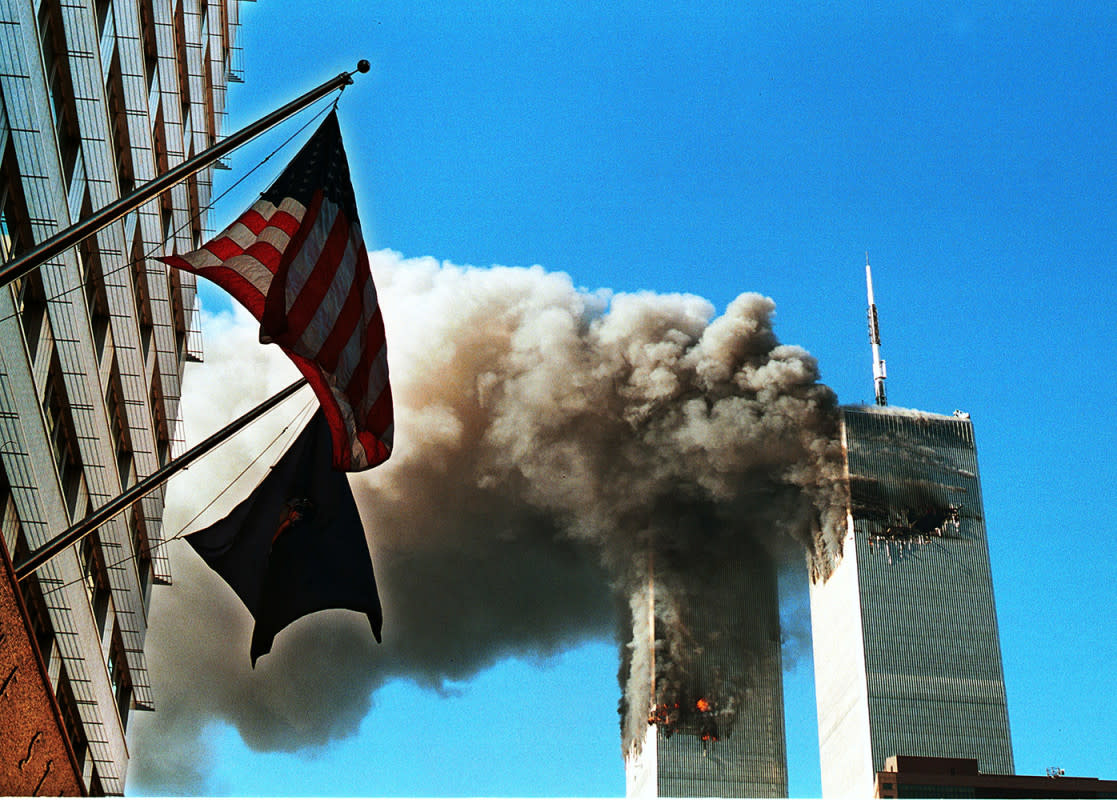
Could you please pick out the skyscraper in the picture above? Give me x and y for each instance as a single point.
(99, 97)
(715, 727)
(906, 649)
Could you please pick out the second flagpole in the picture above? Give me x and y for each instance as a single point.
(76, 532)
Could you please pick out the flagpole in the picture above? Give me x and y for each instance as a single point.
(76, 532)
(61, 241)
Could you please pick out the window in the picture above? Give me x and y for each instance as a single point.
(167, 217)
(15, 231)
(179, 294)
(93, 575)
(150, 49)
(60, 431)
(98, 306)
(193, 206)
(118, 127)
(106, 29)
(180, 343)
(59, 87)
(159, 418)
(94, 781)
(36, 606)
(163, 446)
(31, 304)
(162, 158)
(120, 678)
(15, 239)
(207, 98)
(68, 705)
(118, 427)
(143, 296)
(9, 521)
(141, 549)
(92, 278)
(182, 59)
(104, 8)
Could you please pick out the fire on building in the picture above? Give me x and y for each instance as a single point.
(699, 718)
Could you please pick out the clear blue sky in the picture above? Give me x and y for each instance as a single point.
(715, 148)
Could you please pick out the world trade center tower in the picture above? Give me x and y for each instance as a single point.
(715, 727)
(906, 648)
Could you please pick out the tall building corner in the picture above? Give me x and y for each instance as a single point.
(97, 98)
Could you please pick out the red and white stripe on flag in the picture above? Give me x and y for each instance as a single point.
(302, 271)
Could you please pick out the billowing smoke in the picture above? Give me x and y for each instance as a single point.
(551, 444)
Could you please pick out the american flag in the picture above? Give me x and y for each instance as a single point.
(297, 261)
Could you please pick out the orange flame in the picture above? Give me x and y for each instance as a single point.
(703, 704)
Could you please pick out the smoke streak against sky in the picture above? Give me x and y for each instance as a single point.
(546, 437)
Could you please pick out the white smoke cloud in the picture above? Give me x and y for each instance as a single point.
(546, 437)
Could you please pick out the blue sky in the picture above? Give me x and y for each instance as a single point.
(712, 149)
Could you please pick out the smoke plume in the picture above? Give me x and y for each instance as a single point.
(550, 444)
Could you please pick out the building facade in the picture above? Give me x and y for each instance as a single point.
(911, 776)
(906, 648)
(716, 725)
(98, 97)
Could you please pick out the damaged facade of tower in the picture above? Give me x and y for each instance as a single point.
(906, 648)
(705, 692)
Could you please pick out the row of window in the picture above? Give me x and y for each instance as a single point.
(31, 304)
(15, 234)
(187, 98)
(60, 427)
(60, 90)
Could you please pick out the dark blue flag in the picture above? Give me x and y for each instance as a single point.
(296, 544)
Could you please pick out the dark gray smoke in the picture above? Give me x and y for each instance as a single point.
(548, 440)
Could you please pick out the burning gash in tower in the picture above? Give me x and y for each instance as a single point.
(706, 651)
(702, 712)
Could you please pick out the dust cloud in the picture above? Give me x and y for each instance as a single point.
(551, 443)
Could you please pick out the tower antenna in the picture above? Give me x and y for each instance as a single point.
(874, 340)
